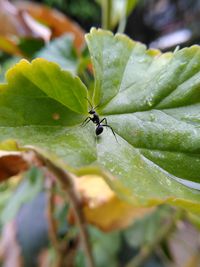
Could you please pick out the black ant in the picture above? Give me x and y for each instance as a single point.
(96, 120)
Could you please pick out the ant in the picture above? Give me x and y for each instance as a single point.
(96, 120)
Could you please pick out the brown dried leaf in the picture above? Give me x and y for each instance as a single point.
(55, 20)
(11, 163)
(19, 23)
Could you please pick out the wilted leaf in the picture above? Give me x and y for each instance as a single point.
(55, 20)
(12, 20)
(103, 208)
(16, 24)
(151, 101)
(11, 164)
(11, 161)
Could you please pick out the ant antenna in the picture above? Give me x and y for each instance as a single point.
(89, 102)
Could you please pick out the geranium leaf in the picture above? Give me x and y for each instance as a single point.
(151, 100)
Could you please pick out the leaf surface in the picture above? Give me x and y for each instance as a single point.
(150, 99)
(152, 102)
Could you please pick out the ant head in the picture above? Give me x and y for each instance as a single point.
(92, 111)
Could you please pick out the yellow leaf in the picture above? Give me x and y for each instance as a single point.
(103, 208)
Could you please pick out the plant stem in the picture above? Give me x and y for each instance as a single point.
(147, 250)
(123, 20)
(51, 220)
(122, 25)
(106, 7)
(53, 226)
(67, 182)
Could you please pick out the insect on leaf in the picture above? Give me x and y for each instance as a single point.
(151, 100)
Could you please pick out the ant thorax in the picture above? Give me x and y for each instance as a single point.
(95, 117)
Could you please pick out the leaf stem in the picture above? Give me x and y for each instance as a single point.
(67, 182)
(106, 7)
(52, 224)
(147, 250)
(51, 220)
(123, 20)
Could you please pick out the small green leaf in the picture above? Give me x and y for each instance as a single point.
(41, 85)
(62, 52)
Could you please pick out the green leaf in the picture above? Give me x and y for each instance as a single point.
(150, 99)
(152, 102)
(39, 106)
(40, 85)
(30, 45)
(61, 51)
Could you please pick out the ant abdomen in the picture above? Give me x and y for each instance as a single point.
(99, 129)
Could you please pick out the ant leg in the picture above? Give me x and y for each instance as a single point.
(106, 125)
(104, 119)
(86, 121)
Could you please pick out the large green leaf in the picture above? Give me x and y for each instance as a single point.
(150, 99)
